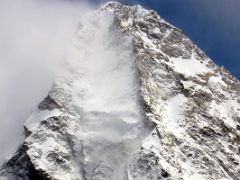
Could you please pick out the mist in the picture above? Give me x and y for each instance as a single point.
(34, 35)
(98, 60)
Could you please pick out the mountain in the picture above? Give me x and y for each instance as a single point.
(135, 100)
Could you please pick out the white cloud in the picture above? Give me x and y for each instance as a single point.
(33, 37)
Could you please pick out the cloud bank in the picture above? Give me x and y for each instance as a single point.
(104, 89)
(33, 38)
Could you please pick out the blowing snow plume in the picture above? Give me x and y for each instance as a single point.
(33, 39)
(93, 106)
(90, 68)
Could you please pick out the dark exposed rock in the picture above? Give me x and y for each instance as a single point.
(164, 173)
(48, 104)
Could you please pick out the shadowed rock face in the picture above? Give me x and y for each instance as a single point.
(160, 110)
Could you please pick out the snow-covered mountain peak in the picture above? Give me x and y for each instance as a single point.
(136, 100)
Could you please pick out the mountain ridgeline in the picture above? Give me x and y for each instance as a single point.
(136, 100)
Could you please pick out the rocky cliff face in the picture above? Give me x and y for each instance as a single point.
(137, 100)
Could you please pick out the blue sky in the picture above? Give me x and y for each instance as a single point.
(214, 25)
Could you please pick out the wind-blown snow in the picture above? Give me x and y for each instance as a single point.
(106, 82)
(105, 96)
(101, 79)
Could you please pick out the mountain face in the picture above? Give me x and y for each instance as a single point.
(136, 100)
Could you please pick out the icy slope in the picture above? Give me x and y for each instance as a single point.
(136, 100)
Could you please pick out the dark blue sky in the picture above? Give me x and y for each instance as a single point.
(214, 25)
